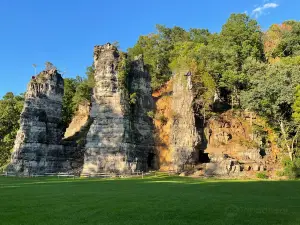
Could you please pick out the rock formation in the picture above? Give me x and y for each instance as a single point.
(120, 136)
(127, 128)
(37, 146)
(138, 139)
(177, 136)
(80, 120)
(234, 145)
(183, 147)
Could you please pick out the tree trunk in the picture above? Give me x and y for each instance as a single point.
(284, 134)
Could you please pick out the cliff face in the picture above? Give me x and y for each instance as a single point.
(120, 135)
(104, 139)
(37, 147)
(177, 136)
(138, 139)
(183, 146)
(162, 124)
(239, 142)
(128, 128)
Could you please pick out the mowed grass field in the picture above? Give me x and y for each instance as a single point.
(153, 200)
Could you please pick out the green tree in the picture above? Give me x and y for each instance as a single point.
(240, 40)
(296, 105)
(76, 91)
(290, 42)
(70, 86)
(10, 109)
(272, 95)
(90, 73)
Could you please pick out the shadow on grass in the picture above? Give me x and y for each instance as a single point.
(155, 180)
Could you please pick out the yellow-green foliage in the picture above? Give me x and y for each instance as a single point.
(151, 114)
(262, 175)
(132, 98)
(210, 88)
(123, 71)
(183, 54)
(293, 61)
(296, 105)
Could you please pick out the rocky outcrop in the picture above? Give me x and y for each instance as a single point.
(138, 139)
(119, 138)
(80, 119)
(162, 123)
(127, 128)
(176, 133)
(38, 146)
(235, 145)
(184, 134)
(105, 137)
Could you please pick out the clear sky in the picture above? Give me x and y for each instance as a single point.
(65, 31)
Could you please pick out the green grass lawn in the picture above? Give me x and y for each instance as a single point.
(152, 200)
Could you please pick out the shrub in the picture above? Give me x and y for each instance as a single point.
(291, 168)
(151, 114)
(132, 98)
(262, 175)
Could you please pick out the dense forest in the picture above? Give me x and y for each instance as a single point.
(242, 67)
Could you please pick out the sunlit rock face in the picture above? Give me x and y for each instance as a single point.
(105, 136)
(184, 134)
(120, 136)
(37, 146)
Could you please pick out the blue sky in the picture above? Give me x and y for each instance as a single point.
(65, 31)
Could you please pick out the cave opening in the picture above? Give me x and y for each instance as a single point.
(203, 157)
(151, 160)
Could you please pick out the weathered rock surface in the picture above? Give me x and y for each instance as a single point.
(138, 139)
(176, 132)
(184, 134)
(79, 120)
(162, 123)
(38, 146)
(120, 135)
(234, 146)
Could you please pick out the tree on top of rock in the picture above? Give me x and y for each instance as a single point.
(49, 66)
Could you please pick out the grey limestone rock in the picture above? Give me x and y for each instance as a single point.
(38, 146)
(121, 133)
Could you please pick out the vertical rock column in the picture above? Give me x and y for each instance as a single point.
(37, 147)
(104, 147)
(139, 142)
(184, 134)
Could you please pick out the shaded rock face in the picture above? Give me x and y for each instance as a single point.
(138, 138)
(38, 146)
(120, 136)
(75, 136)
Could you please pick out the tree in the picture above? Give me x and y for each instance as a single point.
(90, 73)
(272, 96)
(240, 40)
(76, 91)
(49, 66)
(70, 86)
(290, 42)
(11, 107)
(296, 105)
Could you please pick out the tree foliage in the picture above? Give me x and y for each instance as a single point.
(10, 109)
(76, 91)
